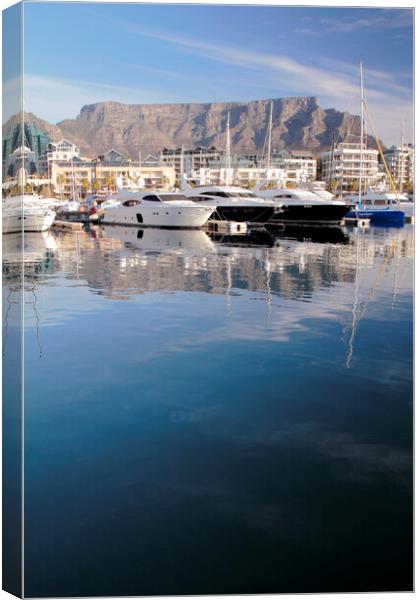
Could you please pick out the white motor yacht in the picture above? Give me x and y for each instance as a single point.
(26, 213)
(232, 203)
(156, 209)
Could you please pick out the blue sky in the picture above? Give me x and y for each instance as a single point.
(78, 54)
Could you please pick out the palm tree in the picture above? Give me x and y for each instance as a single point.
(333, 186)
(85, 186)
(110, 182)
(352, 185)
(61, 181)
(164, 181)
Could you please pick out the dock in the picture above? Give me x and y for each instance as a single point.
(73, 225)
(357, 222)
(229, 227)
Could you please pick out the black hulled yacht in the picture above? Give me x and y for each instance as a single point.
(296, 206)
(234, 203)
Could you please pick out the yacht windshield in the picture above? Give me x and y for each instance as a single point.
(171, 197)
(217, 194)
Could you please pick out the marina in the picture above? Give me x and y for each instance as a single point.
(208, 299)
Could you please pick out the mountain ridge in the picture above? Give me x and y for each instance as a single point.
(298, 123)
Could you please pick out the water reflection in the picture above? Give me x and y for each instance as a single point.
(27, 259)
(334, 273)
(231, 413)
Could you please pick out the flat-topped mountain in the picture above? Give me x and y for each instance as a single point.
(298, 123)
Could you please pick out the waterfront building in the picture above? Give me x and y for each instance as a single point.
(61, 151)
(300, 165)
(340, 167)
(112, 157)
(102, 173)
(400, 162)
(187, 161)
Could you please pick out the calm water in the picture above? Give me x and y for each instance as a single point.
(216, 416)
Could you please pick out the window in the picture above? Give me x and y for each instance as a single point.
(152, 198)
(131, 202)
(217, 194)
(168, 197)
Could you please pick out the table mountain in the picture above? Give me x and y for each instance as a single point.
(298, 123)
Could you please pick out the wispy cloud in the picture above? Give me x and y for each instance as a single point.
(336, 83)
(388, 19)
(54, 98)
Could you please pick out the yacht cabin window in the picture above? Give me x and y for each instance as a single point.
(173, 197)
(131, 202)
(217, 194)
(152, 198)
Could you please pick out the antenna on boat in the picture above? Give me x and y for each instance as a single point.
(362, 106)
(401, 161)
(228, 149)
(270, 127)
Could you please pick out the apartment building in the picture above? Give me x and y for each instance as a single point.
(346, 162)
(400, 162)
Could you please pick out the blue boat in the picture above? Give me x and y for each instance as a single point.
(379, 209)
(381, 216)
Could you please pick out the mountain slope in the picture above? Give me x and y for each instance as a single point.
(298, 123)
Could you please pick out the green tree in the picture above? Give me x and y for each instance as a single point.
(61, 179)
(352, 185)
(164, 182)
(332, 186)
(85, 187)
(110, 183)
(270, 185)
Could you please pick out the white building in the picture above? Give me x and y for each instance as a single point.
(300, 164)
(345, 163)
(62, 151)
(189, 161)
(400, 162)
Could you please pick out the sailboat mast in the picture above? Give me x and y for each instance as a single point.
(228, 149)
(362, 102)
(73, 183)
(270, 127)
(401, 165)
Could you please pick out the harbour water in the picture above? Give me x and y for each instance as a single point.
(227, 415)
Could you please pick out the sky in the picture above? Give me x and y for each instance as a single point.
(81, 53)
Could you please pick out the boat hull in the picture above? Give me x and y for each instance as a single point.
(385, 216)
(296, 214)
(244, 214)
(27, 221)
(158, 215)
